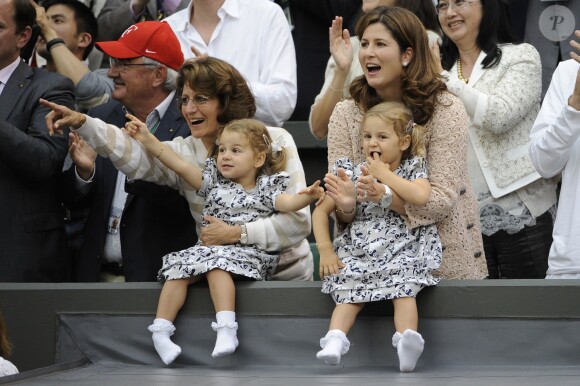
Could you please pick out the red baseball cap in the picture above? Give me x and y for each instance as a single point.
(152, 39)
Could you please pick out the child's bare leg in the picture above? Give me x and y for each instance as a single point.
(172, 297)
(171, 300)
(223, 295)
(408, 342)
(406, 315)
(335, 344)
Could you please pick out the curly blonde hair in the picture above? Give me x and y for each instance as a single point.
(260, 141)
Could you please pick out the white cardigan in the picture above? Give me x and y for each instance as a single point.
(502, 103)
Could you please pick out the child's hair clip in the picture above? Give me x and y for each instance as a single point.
(410, 126)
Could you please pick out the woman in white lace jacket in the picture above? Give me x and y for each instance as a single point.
(500, 86)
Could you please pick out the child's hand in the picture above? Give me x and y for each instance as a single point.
(330, 264)
(136, 129)
(315, 191)
(341, 189)
(368, 189)
(376, 167)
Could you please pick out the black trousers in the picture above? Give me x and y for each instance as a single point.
(522, 255)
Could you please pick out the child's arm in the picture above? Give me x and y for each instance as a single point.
(416, 192)
(189, 172)
(293, 202)
(330, 263)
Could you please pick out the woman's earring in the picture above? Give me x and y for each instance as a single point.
(405, 64)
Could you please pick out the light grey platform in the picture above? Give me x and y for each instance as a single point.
(524, 332)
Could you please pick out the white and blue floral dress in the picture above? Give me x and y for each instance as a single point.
(231, 203)
(383, 257)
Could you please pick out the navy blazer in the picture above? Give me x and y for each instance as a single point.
(156, 219)
(32, 239)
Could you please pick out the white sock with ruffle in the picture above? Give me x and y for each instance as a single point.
(162, 329)
(227, 336)
(334, 345)
(409, 347)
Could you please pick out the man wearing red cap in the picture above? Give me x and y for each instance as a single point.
(132, 224)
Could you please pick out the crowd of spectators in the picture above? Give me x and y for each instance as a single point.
(127, 225)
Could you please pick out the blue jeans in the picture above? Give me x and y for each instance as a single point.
(522, 255)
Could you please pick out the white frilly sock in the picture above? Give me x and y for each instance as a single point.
(227, 336)
(334, 345)
(409, 347)
(162, 329)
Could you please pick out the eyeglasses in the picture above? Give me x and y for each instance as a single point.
(198, 100)
(460, 5)
(122, 65)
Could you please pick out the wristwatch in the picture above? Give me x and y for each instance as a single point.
(244, 234)
(387, 198)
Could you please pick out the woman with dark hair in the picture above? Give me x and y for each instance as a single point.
(398, 66)
(500, 85)
(343, 66)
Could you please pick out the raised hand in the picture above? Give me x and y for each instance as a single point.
(198, 54)
(340, 46)
(136, 129)
(436, 53)
(574, 100)
(61, 116)
(82, 155)
(315, 191)
(341, 189)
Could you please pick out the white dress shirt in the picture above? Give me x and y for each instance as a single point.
(254, 37)
(555, 148)
(6, 73)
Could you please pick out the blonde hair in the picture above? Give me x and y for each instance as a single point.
(261, 142)
(401, 118)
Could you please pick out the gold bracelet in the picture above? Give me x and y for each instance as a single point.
(160, 151)
(349, 212)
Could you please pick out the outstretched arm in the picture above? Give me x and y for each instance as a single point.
(189, 172)
(330, 263)
(416, 192)
(293, 202)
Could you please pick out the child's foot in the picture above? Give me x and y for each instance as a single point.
(162, 329)
(409, 346)
(227, 339)
(334, 345)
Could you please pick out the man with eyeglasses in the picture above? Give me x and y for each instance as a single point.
(132, 224)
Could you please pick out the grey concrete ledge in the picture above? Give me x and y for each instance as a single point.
(33, 311)
(461, 299)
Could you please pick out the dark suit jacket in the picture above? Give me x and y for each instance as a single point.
(32, 239)
(311, 20)
(549, 31)
(156, 219)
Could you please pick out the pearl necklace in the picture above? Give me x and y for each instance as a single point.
(459, 73)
